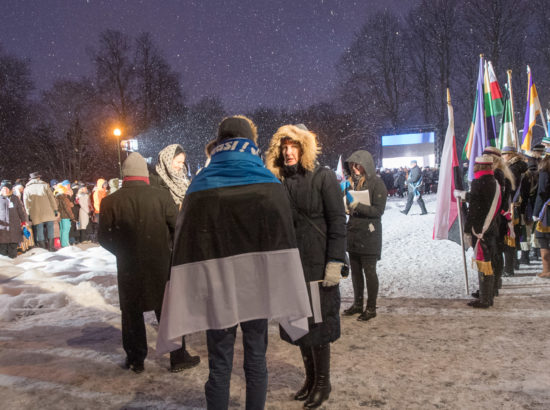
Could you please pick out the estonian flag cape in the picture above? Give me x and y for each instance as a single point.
(235, 257)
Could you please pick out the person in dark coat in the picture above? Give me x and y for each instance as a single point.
(136, 224)
(414, 183)
(520, 196)
(482, 225)
(542, 216)
(364, 232)
(12, 219)
(319, 221)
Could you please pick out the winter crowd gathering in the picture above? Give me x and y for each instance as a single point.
(252, 238)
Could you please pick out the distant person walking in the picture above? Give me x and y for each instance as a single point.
(414, 183)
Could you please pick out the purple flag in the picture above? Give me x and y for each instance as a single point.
(479, 141)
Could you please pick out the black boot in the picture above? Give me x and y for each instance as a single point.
(182, 360)
(51, 244)
(321, 387)
(368, 314)
(486, 283)
(536, 254)
(307, 357)
(524, 258)
(42, 244)
(357, 307)
(508, 261)
(422, 206)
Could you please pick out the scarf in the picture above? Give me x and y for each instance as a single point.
(177, 181)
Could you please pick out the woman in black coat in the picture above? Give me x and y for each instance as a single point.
(364, 232)
(319, 222)
(542, 216)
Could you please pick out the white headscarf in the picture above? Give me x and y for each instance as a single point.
(177, 181)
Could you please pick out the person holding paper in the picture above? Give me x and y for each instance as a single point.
(366, 203)
(319, 221)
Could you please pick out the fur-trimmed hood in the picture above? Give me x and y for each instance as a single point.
(307, 140)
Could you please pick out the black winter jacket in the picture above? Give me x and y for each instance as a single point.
(364, 228)
(137, 224)
(318, 196)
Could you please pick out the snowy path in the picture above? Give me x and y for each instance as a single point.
(60, 343)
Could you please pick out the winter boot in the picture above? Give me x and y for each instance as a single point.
(357, 307)
(307, 357)
(181, 360)
(524, 260)
(509, 261)
(51, 244)
(42, 244)
(321, 387)
(536, 254)
(545, 256)
(485, 292)
(368, 314)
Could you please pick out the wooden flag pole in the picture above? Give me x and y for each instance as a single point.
(459, 202)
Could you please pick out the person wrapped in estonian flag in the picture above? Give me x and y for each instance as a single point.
(235, 261)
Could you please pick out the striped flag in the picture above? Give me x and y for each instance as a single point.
(533, 108)
(492, 102)
(476, 140)
(446, 224)
(507, 134)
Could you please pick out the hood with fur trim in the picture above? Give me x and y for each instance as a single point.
(308, 142)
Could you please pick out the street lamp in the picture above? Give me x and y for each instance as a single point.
(117, 133)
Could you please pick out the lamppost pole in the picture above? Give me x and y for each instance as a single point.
(117, 133)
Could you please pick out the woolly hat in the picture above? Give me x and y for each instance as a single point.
(135, 166)
(237, 126)
(492, 151)
(508, 149)
(6, 183)
(485, 159)
(34, 175)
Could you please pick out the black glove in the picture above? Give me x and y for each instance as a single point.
(55, 213)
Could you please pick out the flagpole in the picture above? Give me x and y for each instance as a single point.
(516, 137)
(460, 223)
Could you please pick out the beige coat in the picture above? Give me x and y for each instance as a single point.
(39, 202)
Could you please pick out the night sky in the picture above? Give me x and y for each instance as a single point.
(248, 52)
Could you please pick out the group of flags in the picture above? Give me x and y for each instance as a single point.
(489, 105)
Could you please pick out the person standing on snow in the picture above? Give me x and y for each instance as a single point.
(481, 228)
(320, 224)
(12, 219)
(41, 207)
(235, 262)
(136, 224)
(414, 183)
(171, 173)
(364, 232)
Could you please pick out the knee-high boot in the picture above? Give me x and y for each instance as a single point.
(509, 261)
(545, 256)
(321, 387)
(486, 283)
(307, 357)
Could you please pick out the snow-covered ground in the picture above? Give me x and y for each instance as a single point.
(60, 340)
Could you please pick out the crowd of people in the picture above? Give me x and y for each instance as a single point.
(507, 223)
(244, 242)
(49, 215)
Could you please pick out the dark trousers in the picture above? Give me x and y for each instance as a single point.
(419, 201)
(134, 336)
(364, 265)
(8, 249)
(221, 345)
